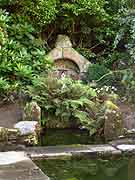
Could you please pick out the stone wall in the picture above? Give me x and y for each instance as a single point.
(10, 114)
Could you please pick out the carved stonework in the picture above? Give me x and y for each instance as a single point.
(63, 42)
(67, 61)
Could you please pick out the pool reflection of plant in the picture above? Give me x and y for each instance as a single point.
(84, 169)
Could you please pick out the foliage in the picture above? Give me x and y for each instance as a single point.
(22, 55)
(107, 92)
(64, 99)
(126, 33)
(40, 12)
(63, 16)
(92, 25)
(128, 82)
(96, 71)
(119, 55)
(102, 31)
(124, 58)
(68, 103)
(82, 7)
(3, 134)
(87, 54)
(31, 140)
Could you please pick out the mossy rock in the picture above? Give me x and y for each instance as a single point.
(113, 126)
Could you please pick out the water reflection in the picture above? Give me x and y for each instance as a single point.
(88, 169)
(131, 169)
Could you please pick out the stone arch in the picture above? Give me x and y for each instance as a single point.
(63, 50)
(66, 64)
(66, 67)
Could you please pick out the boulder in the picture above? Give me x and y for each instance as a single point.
(26, 127)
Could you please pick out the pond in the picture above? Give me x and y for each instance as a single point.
(52, 137)
(89, 169)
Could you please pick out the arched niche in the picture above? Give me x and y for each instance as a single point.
(66, 64)
(66, 59)
(66, 67)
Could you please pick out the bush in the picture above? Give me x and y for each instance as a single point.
(95, 72)
(66, 103)
(40, 12)
(22, 54)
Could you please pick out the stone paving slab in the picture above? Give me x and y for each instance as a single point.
(120, 141)
(126, 147)
(59, 151)
(17, 166)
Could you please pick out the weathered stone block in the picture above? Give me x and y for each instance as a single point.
(113, 126)
(10, 114)
(55, 54)
(63, 41)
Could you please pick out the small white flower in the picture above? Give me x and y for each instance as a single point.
(107, 89)
(114, 111)
(113, 87)
(117, 115)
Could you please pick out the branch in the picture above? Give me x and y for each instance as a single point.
(111, 73)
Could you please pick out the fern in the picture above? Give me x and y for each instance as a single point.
(65, 101)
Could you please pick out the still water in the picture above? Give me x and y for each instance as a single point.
(89, 169)
(52, 137)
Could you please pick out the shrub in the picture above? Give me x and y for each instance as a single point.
(22, 53)
(40, 12)
(66, 103)
(96, 71)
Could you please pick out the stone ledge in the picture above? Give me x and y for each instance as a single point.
(123, 140)
(16, 165)
(56, 152)
(126, 147)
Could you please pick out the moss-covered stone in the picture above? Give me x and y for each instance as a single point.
(113, 126)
